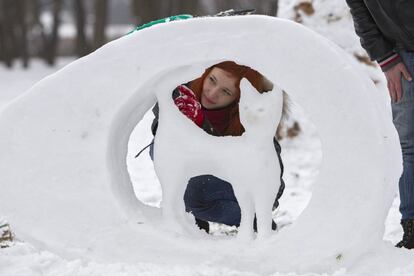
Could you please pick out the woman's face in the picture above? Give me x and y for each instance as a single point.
(219, 89)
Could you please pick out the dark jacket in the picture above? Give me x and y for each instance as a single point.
(207, 127)
(384, 26)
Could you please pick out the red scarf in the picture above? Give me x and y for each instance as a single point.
(218, 118)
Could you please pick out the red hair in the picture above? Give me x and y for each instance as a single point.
(239, 72)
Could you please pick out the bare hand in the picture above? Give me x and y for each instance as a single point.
(393, 76)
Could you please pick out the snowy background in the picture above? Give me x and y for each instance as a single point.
(301, 153)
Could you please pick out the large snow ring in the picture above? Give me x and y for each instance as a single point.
(64, 181)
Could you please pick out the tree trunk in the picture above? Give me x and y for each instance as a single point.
(189, 7)
(149, 10)
(101, 12)
(82, 46)
(22, 31)
(2, 34)
(52, 39)
(8, 16)
(267, 7)
(37, 43)
(275, 7)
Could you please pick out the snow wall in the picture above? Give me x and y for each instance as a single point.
(64, 182)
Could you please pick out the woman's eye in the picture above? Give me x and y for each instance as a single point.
(227, 92)
(212, 80)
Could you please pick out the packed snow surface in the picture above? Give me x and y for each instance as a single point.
(66, 188)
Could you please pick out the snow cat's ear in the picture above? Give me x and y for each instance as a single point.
(267, 84)
(260, 82)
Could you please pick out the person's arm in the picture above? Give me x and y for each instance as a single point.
(379, 48)
(372, 39)
(188, 104)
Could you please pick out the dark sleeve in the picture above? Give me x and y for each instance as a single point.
(156, 111)
(372, 40)
(282, 183)
(154, 124)
(278, 151)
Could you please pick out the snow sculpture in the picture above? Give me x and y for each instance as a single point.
(64, 182)
(248, 162)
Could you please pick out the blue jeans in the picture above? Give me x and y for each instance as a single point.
(403, 119)
(212, 199)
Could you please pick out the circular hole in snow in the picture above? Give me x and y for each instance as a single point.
(145, 182)
(302, 157)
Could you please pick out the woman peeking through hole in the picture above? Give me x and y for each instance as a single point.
(212, 102)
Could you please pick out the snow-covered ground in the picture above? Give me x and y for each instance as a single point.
(301, 154)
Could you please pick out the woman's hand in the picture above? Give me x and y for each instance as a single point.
(188, 104)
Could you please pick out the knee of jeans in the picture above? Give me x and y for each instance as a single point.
(192, 192)
(406, 135)
(187, 197)
(231, 213)
(407, 147)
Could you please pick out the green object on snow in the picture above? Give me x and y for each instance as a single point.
(163, 20)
